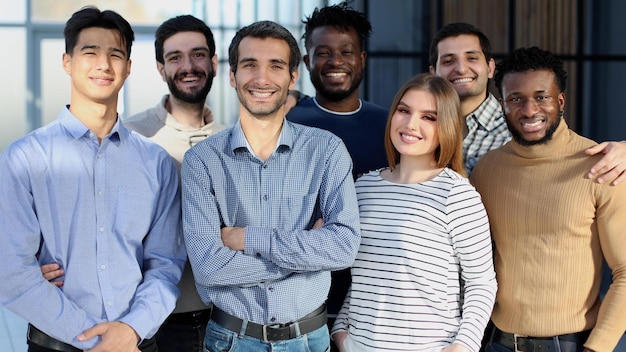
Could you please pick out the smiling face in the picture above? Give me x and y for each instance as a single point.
(335, 62)
(188, 68)
(462, 62)
(262, 79)
(532, 103)
(98, 66)
(413, 129)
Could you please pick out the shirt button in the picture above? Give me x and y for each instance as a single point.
(271, 289)
(258, 254)
(101, 229)
(99, 193)
(103, 266)
(265, 197)
(273, 319)
(265, 166)
(109, 303)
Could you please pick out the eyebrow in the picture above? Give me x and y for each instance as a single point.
(198, 48)
(86, 47)
(252, 59)
(402, 103)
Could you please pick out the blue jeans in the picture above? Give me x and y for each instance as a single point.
(219, 339)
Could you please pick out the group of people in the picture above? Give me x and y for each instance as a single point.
(97, 256)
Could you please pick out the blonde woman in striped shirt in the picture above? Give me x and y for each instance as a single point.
(423, 279)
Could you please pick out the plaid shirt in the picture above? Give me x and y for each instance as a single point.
(487, 130)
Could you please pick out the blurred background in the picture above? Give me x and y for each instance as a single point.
(587, 34)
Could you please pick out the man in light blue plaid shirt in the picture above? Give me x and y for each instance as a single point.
(462, 54)
(269, 209)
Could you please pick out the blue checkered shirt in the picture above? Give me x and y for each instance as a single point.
(487, 130)
(284, 271)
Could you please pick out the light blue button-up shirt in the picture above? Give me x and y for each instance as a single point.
(284, 271)
(108, 213)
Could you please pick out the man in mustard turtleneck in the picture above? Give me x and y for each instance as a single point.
(551, 226)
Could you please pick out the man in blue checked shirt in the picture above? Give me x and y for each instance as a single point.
(100, 201)
(269, 209)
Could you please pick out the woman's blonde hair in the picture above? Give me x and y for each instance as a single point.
(449, 153)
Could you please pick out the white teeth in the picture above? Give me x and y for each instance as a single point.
(190, 79)
(532, 124)
(261, 95)
(462, 80)
(406, 136)
(336, 74)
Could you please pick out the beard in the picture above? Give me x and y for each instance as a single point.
(546, 138)
(193, 97)
(335, 94)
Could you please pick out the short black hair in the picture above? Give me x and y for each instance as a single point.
(262, 30)
(341, 16)
(89, 17)
(183, 23)
(454, 30)
(530, 59)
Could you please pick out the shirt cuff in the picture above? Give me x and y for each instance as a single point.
(256, 241)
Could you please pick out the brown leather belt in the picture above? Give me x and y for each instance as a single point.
(41, 339)
(272, 332)
(522, 343)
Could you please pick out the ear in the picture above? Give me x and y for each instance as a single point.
(67, 63)
(363, 57)
(214, 62)
(431, 69)
(128, 65)
(307, 60)
(561, 100)
(294, 78)
(492, 67)
(161, 68)
(233, 83)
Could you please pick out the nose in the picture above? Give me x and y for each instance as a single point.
(461, 66)
(529, 107)
(413, 122)
(187, 63)
(335, 59)
(104, 62)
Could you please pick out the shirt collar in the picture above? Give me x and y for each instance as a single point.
(488, 113)
(238, 138)
(78, 129)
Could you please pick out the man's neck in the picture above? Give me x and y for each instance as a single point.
(470, 104)
(186, 113)
(98, 117)
(262, 133)
(349, 104)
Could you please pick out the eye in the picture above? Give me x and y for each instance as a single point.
(199, 55)
(402, 110)
(430, 118)
(322, 54)
(173, 58)
(446, 61)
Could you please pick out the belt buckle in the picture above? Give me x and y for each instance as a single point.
(265, 327)
(515, 345)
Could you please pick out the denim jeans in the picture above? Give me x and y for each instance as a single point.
(219, 339)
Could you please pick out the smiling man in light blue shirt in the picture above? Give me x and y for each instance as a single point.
(252, 198)
(99, 200)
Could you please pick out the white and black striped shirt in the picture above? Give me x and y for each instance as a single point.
(423, 248)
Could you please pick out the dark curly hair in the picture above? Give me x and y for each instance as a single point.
(339, 15)
(530, 59)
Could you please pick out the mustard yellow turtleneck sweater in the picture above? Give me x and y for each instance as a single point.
(551, 227)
